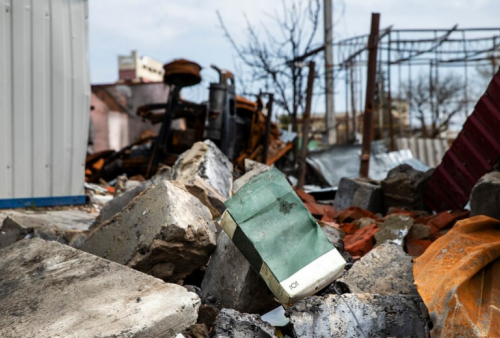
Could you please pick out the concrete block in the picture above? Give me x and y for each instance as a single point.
(231, 280)
(385, 270)
(52, 290)
(404, 187)
(206, 161)
(121, 201)
(255, 170)
(232, 324)
(394, 229)
(485, 196)
(165, 232)
(362, 193)
(15, 228)
(207, 195)
(378, 316)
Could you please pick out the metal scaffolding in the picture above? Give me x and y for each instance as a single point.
(402, 53)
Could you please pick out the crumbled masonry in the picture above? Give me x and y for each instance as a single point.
(362, 193)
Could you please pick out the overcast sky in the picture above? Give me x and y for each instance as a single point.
(169, 29)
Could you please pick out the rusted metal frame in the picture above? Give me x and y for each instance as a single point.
(361, 50)
(439, 42)
(370, 95)
(305, 125)
(269, 109)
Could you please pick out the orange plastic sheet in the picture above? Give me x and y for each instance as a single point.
(458, 278)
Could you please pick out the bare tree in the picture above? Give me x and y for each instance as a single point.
(267, 56)
(435, 102)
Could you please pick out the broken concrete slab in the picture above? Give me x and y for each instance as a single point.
(394, 229)
(364, 222)
(207, 195)
(377, 315)
(256, 170)
(121, 201)
(232, 324)
(15, 228)
(52, 290)
(404, 187)
(165, 232)
(357, 192)
(70, 219)
(385, 270)
(485, 196)
(251, 165)
(206, 161)
(231, 280)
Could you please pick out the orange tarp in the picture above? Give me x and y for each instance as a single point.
(458, 278)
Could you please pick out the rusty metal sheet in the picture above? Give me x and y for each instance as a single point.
(474, 153)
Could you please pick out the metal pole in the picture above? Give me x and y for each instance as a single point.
(346, 141)
(370, 96)
(330, 122)
(389, 98)
(305, 126)
(269, 108)
(353, 102)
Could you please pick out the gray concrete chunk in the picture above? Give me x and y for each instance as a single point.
(165, 232)
(363, 193)
(385, 270)
(206, 161)
(394, 229)
(232, 324)
(404, 187)
(15, 228)
(52, 290)
(232, 281)
(378, 316)
(485, 196)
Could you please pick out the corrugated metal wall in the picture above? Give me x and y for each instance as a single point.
(428, 151)
(44, 97)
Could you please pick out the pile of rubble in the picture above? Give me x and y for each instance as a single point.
(155, 262)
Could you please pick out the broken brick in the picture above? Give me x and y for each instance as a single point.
(349, 228)
(305, 197)
(417, 247)
(354, 213)
(361, 242)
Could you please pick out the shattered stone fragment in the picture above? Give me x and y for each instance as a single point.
(394, 229)
(165, 232)
(251, 165)
(15, 228)
(419, 231)
(233, 282)
(206, 161)
(52, 290)
(377, 315)
(232, 324)
(207, 195)
(121, 201)
(362, 193)
(404, 187)
(385, 270)
(485, 196)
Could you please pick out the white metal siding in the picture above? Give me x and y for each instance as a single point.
(44, 97)
(429, 151)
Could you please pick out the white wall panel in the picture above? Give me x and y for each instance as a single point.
(44, 97)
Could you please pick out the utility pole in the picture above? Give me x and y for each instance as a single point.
(330, 123)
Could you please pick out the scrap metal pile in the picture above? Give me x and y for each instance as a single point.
(193, 253)
(236, 125)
